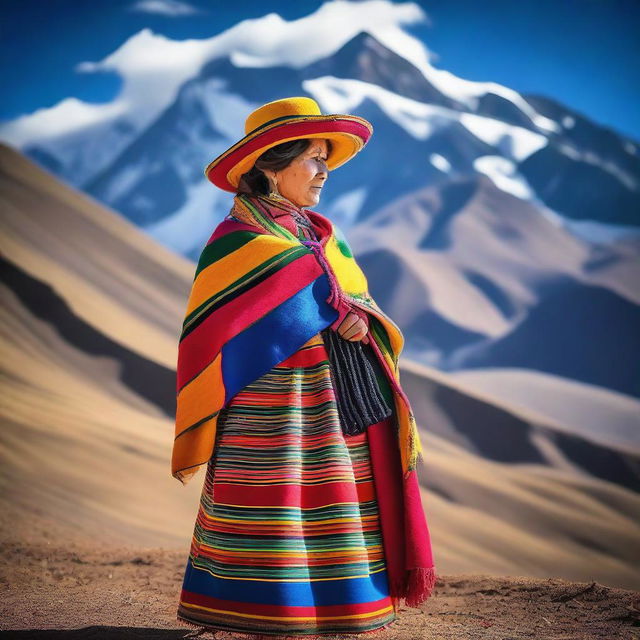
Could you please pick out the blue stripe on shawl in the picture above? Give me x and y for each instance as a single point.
(304, 593)
(276, 336)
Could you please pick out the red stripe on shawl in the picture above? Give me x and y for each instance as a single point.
(292, 495)
(199, 347)
(255, 608)
(308, 357)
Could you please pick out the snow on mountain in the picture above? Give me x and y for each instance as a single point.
(346, 56)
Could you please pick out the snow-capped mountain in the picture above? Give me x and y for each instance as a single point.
(500, 229)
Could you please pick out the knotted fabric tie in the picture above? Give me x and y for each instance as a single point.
(336, 298)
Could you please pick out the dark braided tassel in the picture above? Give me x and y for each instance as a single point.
(359, 399)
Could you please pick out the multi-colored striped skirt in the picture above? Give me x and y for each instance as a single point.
(288, 537)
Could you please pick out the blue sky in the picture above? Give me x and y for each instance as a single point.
(583, 53)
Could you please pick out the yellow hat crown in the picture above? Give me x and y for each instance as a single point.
(283, 108)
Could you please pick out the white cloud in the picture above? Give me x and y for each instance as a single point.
(171, 8)
(153, 67)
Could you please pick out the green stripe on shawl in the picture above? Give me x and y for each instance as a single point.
(223, 246)
(376, 326)
(242, 284)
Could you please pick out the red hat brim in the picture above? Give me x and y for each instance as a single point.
(348, 135)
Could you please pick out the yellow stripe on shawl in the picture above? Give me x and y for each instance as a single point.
(195, 401)
(352, 280)
(349, 274)
(197, 445)
(408, 435)
(224, 272)
(201, 396)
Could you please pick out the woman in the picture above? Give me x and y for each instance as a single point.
(310, 520)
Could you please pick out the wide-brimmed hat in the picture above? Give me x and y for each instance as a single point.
(283, 120)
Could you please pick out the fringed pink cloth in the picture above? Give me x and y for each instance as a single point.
(407, 542)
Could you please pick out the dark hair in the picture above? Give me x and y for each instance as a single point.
(276, 158)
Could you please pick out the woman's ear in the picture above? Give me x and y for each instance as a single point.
(270, 174)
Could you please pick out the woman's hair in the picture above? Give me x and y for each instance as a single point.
(276, 158)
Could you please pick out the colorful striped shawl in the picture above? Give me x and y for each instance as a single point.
(258, 295)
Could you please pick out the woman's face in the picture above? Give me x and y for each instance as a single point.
(301, 182)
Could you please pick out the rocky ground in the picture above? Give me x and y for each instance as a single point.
(94, 591)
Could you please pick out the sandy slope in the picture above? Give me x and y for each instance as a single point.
(577, 407)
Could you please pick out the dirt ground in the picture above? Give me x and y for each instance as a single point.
(95, 591)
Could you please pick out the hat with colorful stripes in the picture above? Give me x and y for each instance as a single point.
(283, 120)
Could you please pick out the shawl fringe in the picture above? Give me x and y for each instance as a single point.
(421, 582)
(416, 587)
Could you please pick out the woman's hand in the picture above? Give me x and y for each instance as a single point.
(353, 327)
